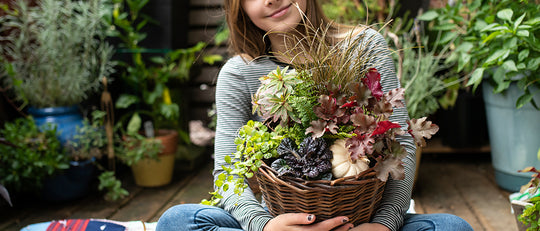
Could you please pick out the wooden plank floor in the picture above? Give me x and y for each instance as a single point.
(461, 184)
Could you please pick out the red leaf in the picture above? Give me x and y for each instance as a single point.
(373, 82)
(384, 126)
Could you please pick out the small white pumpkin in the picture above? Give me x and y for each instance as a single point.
(342, 165)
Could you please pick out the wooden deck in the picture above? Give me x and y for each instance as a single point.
(458, 183)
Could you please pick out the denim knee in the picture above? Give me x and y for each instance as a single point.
(435, 222)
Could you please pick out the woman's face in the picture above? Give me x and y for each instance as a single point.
(274, 15)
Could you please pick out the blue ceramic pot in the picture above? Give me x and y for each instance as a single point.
(66, 120)
(70, 184)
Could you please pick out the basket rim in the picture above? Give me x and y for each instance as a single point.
(303, 186)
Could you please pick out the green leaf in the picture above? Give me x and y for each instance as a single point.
(523, 55)
(518, 21)
(428, 16)
(476, 77)
(126, 100)
(510, 65)
(522, 33)
(498, 54)
(523, 100)
(134, 124)
(505, 14)
(533, 64)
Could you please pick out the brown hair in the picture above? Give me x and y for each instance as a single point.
(247, 39)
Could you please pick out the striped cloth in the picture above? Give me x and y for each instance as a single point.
(238, 80)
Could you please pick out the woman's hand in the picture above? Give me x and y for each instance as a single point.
(371, 227)
(304, 221)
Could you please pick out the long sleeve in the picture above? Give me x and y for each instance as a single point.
(397, 193)
(237, 82)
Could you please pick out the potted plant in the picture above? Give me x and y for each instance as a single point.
(150, 161)
(149, 107)
(57, 54)
(496, 43)
(29, 157)
(88, 146)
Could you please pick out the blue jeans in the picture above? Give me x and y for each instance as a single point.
(202, 217)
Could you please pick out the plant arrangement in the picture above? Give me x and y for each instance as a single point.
(495, 38)
(55, 52)
(327, 119)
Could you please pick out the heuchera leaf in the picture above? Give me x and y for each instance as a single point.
(392, 166)
(383, 126)
(363, 122)
(317, 128)
(359, 146)
(420, 129)
(361, 93)
(383, 108)
(373, 82)
(395, 97)
(328, 109)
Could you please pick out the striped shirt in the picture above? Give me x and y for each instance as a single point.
(238, 80)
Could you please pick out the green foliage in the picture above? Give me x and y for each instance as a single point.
(428, 79)
(131, 146)
(498, 38)
(29, 155)
(149, 79)
(530, 215)
(112, 186)
(353, 12)
(56, 50)
(254, 144)
(90, 139)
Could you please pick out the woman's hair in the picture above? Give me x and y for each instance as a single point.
(247, 39)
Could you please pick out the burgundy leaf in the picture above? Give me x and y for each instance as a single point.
(361, 93)
(328, 107)
(363, 122)
(359, 146)
(373, 82)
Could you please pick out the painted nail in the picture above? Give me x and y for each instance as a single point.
(310, 217)
(345, 220)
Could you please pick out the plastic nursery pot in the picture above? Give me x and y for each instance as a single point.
(154, 173)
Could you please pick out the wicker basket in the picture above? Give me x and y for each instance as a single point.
(356, 197)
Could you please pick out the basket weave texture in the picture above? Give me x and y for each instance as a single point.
(356, 197)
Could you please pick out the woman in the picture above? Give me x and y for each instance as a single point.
(257, 38)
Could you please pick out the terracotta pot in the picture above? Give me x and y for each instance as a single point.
(154, 173)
